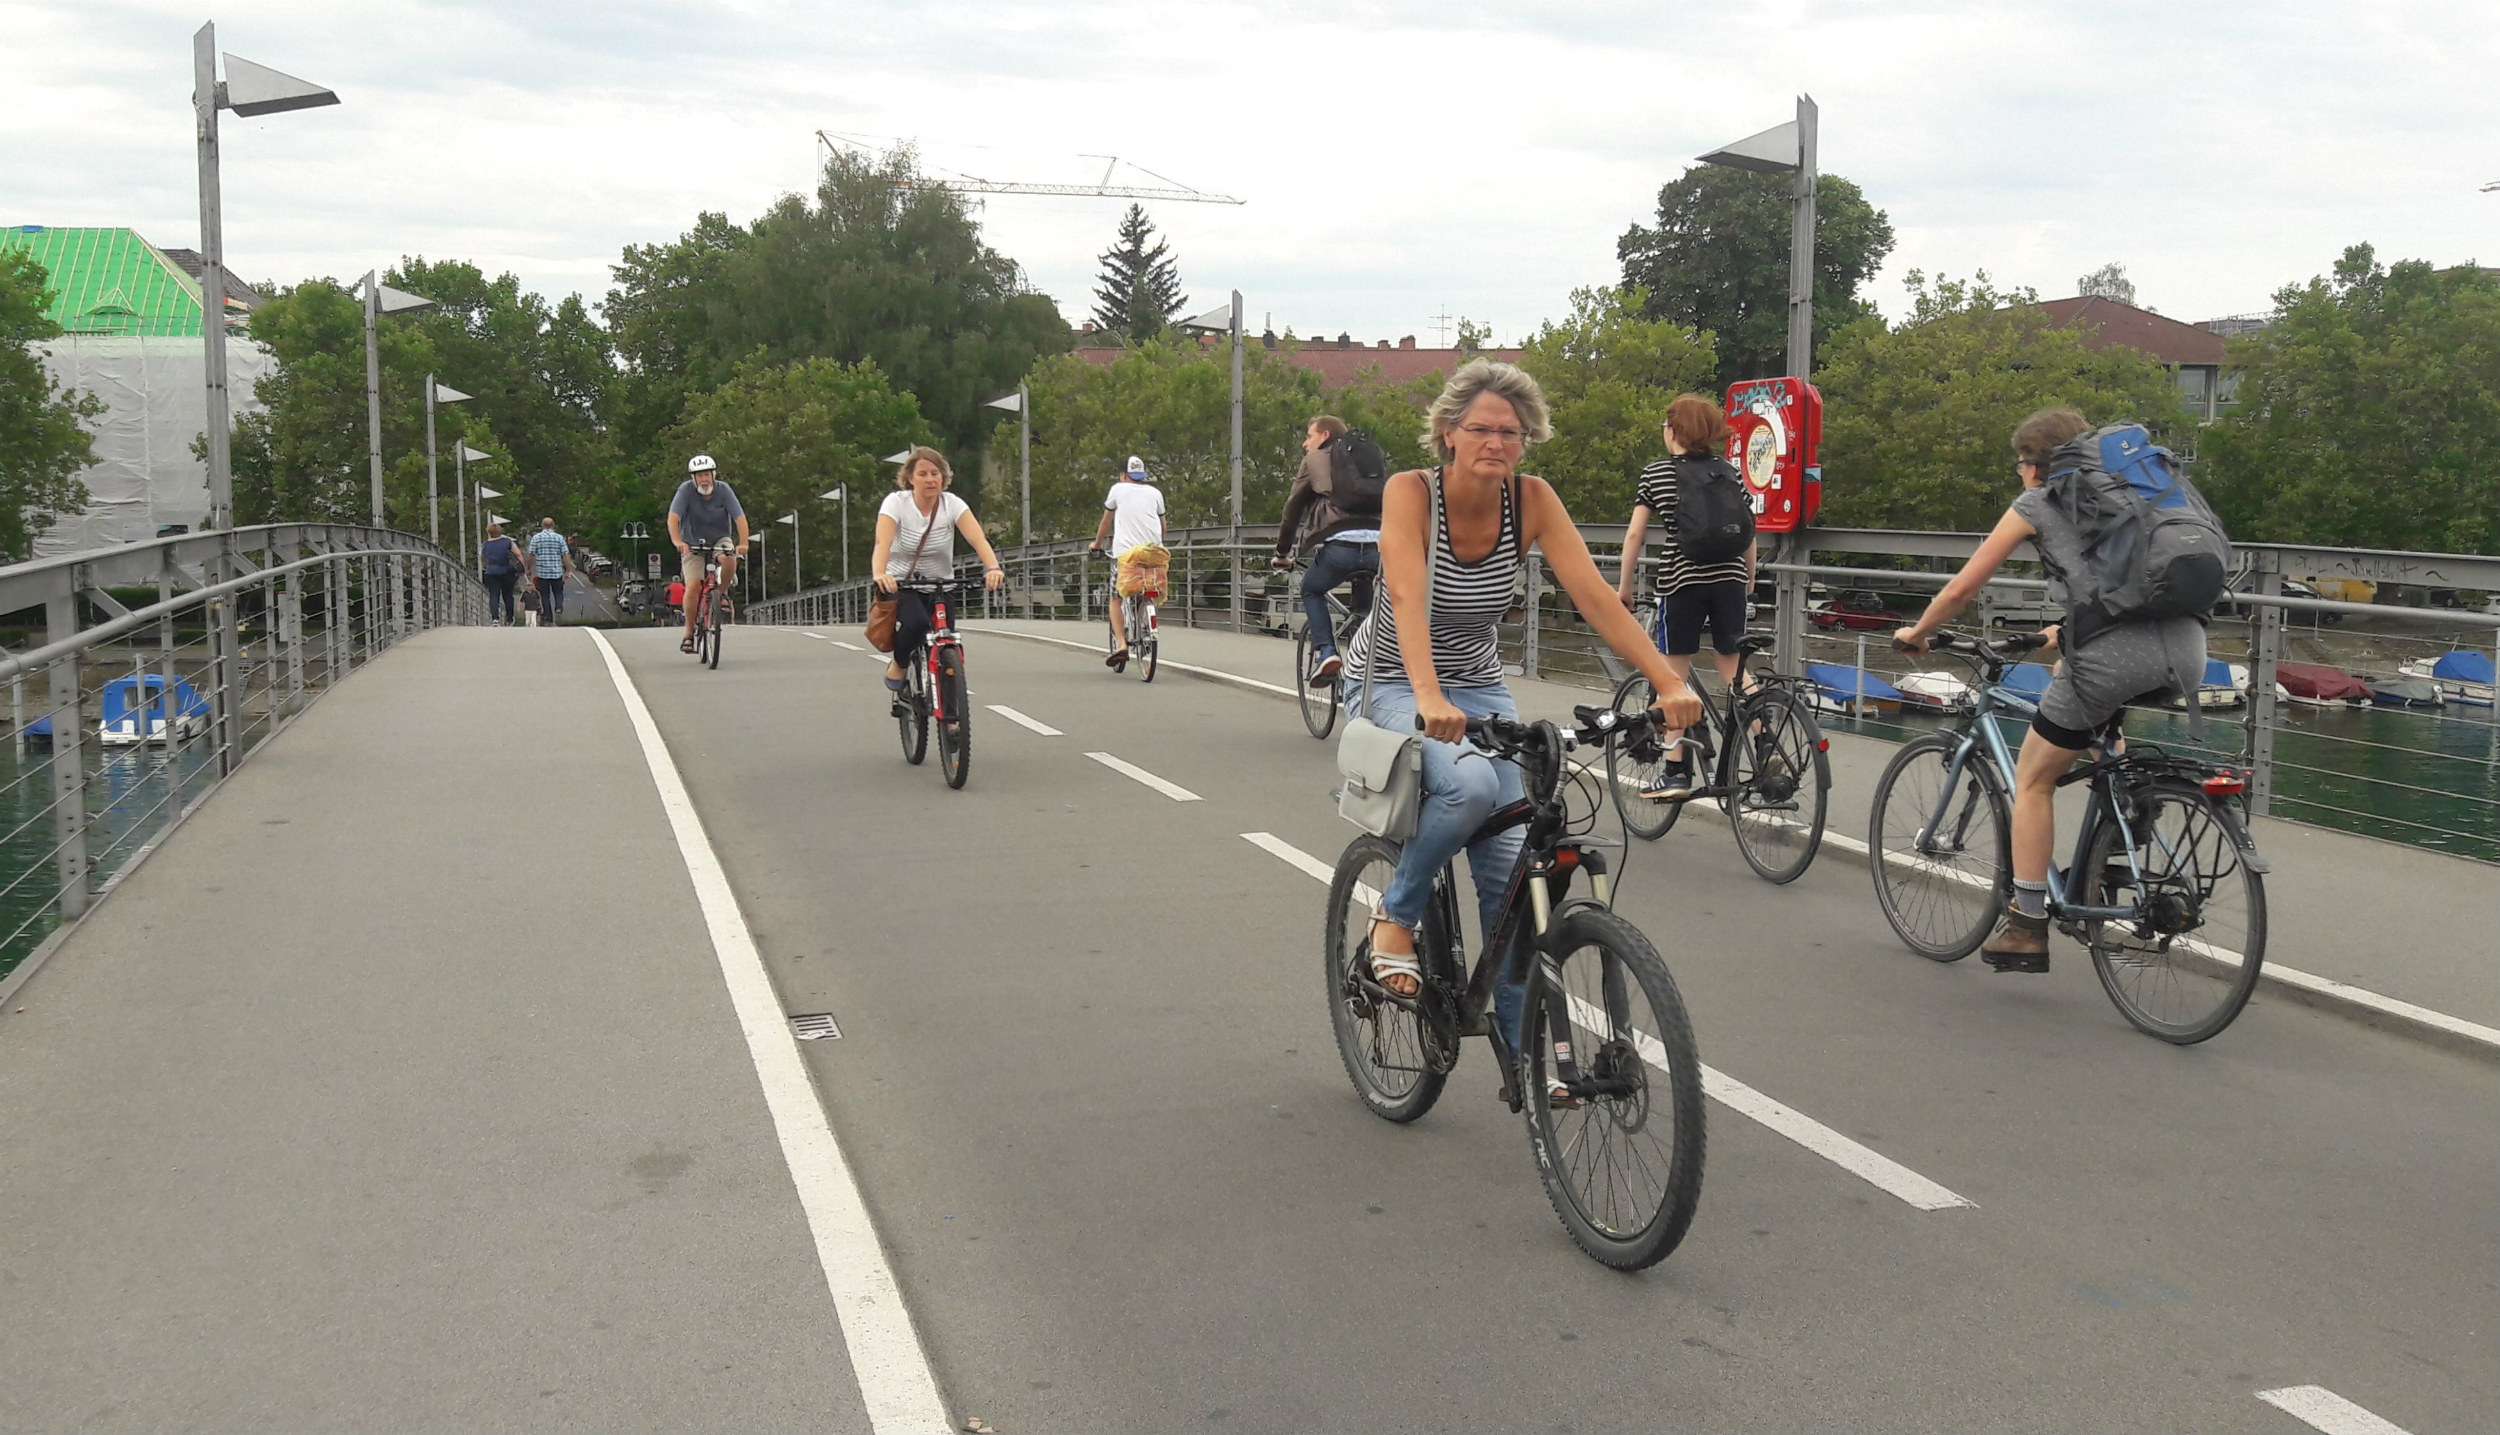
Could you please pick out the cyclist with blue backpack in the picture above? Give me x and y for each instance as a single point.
(1336, 495)
(2136, 560)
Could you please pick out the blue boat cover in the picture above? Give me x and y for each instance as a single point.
(2217, 673)
(2463, 665)
(1839, 680)
(2029, 679)
(121, 695)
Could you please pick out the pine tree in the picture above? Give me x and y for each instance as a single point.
(1140, 286)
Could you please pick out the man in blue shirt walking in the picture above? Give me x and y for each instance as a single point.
(551, 562)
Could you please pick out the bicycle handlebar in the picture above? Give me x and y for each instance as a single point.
(2009, 647)
(1594, 724)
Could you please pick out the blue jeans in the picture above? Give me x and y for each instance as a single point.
(1332, 564)
(1462, 787)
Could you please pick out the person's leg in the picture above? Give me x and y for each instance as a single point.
(912, 619)
(559, 595)
(1488, 785)
(1680, 617)
(2021, 941)
(1115, 610)
(1458, 791)
(690, 572)
(1331, 565)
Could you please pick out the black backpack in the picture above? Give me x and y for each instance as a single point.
(1713, 513)
(2152, 548)
(1358, 474)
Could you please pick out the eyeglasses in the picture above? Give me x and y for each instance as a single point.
(1489, 434)
(2023, 466)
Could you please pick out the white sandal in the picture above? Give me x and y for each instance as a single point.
(1395, 964)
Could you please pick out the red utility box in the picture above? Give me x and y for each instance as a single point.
(1775, 439)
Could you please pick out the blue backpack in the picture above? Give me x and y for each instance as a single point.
(2152, 548)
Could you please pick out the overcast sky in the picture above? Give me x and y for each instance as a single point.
(1399, 163)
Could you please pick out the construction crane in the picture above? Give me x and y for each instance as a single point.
(975, 184)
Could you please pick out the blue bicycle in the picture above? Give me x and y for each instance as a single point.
(2165, 888)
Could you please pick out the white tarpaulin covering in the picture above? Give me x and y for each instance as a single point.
(155, 408)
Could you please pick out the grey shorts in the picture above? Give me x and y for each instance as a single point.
(2117, 668)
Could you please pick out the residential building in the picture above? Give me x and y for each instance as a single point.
(2194, 354)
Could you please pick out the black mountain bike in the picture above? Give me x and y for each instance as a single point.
(936, 688)
(1320, 703)
(1774, 785)
(2166, 889)
(1615, 1111)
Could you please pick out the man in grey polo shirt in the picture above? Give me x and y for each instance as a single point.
(704, 512)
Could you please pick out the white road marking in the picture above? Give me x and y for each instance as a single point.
(1859, 1160)
(837, 642)
(2322, 1409)
(1277, 846)
(1217, 673)
(1020, 720)
(1172, 790)
(895, 1380)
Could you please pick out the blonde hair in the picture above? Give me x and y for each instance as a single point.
(1475, 379)
(921, 453)
(494, 530)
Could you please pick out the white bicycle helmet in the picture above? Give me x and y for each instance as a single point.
(701, 463)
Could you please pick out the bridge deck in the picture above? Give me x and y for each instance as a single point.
(425, 1106)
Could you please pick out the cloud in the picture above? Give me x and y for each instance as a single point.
(1400, 160)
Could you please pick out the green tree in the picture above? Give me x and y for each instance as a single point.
(1138, 289)
(2368, 413)
(1609, 373)
(882, 264)
(786, 433)
(1918, 420)
(43, 444)
(2110, 281)
(1716, 262)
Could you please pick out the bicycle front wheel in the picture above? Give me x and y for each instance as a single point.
(716, 622)
(1782, 781)
(1636, 757)
(1941, 889)
(2185, 967)
(911, 709)
(1387, 1051)
(1142, 642)
(1319, 704)
(954, 721)
(1621, 1156)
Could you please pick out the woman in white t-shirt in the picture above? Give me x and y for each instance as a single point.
(916, 528)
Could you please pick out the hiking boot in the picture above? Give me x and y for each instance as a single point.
(2020, 944)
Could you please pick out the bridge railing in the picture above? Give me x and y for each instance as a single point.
(127, 708)
(2430, 776)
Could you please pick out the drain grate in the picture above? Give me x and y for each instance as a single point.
(815, 1026)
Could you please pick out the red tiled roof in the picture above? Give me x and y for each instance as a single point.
(2106, 322)
(1338, 367)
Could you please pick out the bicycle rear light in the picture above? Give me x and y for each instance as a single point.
(2226, 783)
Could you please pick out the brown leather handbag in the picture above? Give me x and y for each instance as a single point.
(881, 608)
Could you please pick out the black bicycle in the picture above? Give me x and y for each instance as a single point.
(2166, 888)
(935, 688)
(1607, 1077)
(1774, 785)
(1322, 697)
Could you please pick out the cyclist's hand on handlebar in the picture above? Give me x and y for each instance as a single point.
(1280, 564)
(886, 583)
(1440, 719)
(1680, 708)
(1908, 640)
(996, 578)
(2049, 636)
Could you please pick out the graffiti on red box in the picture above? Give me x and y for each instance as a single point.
(1775, 439)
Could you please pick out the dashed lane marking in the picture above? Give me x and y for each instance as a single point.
(1856, 1158)
(895, 1380)
(1020, 720)
(2322, 1409)
(1172, 790)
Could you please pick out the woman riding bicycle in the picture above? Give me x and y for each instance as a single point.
(1444, 667)
(916, 528)
(2093, 682)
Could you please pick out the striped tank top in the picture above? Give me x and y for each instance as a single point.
(1468, 600)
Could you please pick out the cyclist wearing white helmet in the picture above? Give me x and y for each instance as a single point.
(704, 512)
(1132, 522)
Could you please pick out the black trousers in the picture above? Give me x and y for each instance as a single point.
(499, 588)
(913, 615)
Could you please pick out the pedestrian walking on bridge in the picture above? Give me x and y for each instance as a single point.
(552, 562)
(500, 557)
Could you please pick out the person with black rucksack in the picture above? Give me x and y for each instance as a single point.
(2137, 560)
(1336, 496)
(1705, 572)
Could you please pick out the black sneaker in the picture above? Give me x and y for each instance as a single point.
(1674, 782)
(1327, 670)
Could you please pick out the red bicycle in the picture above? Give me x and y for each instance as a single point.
(709, 602)
(937, 687)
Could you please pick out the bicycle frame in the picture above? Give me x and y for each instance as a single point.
(1980, 731)
(942, 598)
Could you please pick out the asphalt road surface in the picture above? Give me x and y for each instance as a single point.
(1088, 1089)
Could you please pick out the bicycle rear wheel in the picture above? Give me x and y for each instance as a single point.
(2185, 968)
(1387, 1051)
(716, 621)
(1621, 1160)
(954, 723)
(1942, 891)
(1319, 705)
(1142, 641)
(911, 709)
(1635, 758)
(1782, 782)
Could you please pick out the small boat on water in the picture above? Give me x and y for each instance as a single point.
(1935, 693)
(2028, 679)
(2225, 685)
(2319, 686)
(134, 711)
(1842, 689)
(2463, 675)
(2402, 692)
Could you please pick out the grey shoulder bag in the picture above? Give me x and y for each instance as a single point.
(1382, 772)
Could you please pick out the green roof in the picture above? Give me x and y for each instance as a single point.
(110, 281)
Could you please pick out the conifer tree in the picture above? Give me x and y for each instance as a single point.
(1139, 288)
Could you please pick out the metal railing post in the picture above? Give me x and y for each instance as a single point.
(291, 633)
(1529, 666)
(225, 725)
(174, 713)
(333, 589)
(2263, 708)
(69, 759)
(1788, 605)
(1233, 570)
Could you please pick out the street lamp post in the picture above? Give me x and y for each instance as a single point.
(1020, 403)
(798, 565)
(843, 493)
(461, 457)
(1789, 149)
(433, 498)
(757, 577)
(1228, 321)
(380, 299)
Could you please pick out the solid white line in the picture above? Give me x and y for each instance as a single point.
(1172, 790)
(1867, 1164)
(895, 1380)
(837, 642)
(1020, 720)
(2322, 1409)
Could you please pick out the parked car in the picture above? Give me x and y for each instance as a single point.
(1857, 611)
